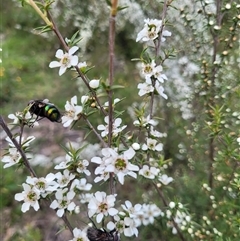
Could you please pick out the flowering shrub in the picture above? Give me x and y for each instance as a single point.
(124, 154)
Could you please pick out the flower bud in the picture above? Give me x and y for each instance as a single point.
(94, 83)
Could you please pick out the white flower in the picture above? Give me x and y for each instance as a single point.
(149, 212)
(82, 167)
(13, 156)
(120, 164)
(102, 205)
(172, 205)
(152, 145)
(115, 128)
(15, 117)
(136, 146)
(181, 218)
(145, 88)
(67, 60)
(82, 65)
(126, 225)
(130, 227)
(63, 201)
(165, 33)
(72, 112)
(42, 183)
(156, 133)
(143, 122)
(148, 69)
(79, 235)
(26, 117)
(147, 172)
(81, 184)
(65, 163)
(84, 99)
(164, 179)
(150, 31)
(104, 176)
(157, 74)
(23, 143)
(30, 196)
(115, 101)
(85, 197)
(100, 170)
(152, 72)
(160, 90)
(65, 178)
(94, 84)
(131, 210)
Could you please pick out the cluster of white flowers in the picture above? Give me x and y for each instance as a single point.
(145, 121)
(59, 183)
(153, 74)
(21, 117)
(64, 185)
(153, 79)
(151, 172)
(13, 156)
(131, 217)
(66, 61)
(113, 162)
(82, 164)
(177, 212)
(115, 127)
(152, 29)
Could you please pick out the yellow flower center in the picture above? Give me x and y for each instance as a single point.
(120, 164)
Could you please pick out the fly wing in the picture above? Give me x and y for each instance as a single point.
(46, 101)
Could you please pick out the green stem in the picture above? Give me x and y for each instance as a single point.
(40, 13)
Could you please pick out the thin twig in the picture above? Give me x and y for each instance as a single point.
(17, 145)
(112, 22)
(164, 12)
(95, 131)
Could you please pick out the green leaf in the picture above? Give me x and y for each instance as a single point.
(84, 70)
(119, 8)
(109, 3)
(74, 40)
(43, 29)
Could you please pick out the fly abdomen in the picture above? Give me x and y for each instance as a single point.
(52, 113)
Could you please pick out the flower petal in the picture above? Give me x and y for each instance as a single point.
(59, 54)
(54, 64)
(73, 50)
